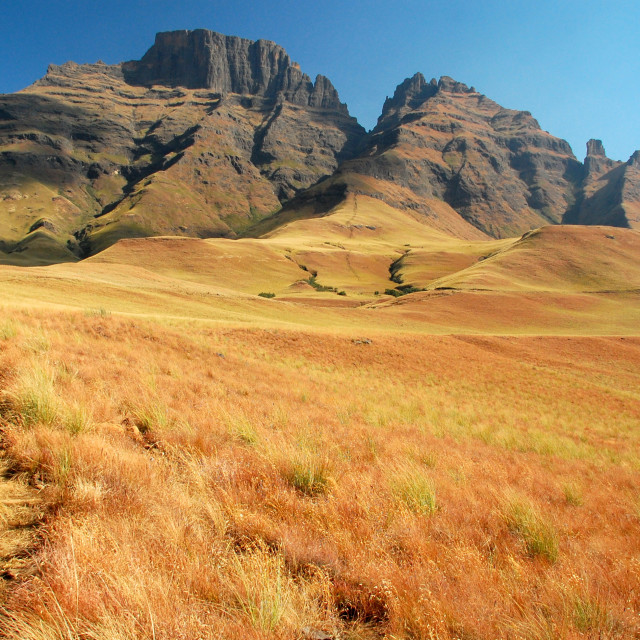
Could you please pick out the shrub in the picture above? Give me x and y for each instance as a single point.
(402, 290)
(317, 286)
(394, 270)
(408, 288)
(267, 294)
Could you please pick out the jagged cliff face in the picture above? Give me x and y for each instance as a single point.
(204, 59)
(445, 150)
(610, 190)
(203, 136)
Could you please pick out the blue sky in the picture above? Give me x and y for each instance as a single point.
(574, 64)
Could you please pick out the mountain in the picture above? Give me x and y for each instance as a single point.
(217, 136)
(610, 190)
(203, 136)
(471, 166)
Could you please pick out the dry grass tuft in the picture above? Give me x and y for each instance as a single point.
(538, 535)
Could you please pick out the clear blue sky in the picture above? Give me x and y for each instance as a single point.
(575, 64)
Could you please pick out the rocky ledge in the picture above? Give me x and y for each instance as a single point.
(204, 59)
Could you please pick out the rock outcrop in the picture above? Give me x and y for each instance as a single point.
(596, 163)
(203, 59)
(610, 191)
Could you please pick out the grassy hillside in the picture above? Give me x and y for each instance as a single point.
(184, 458)
(563, 258)
(178, 479)
(340, 269)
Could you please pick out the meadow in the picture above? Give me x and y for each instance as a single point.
(178, 480)
(184, 458)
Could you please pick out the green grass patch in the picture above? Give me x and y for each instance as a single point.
(261, 589)
(241, 428)
(591, 616)
(37, 343)
(8, 329)
(153, 416)
(34, 400)
(308, 474)
(97, 313)
(538, 535)
(412, 488)
(572, 495)
(77, 419)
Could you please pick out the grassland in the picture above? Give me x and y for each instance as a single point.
(565, 280)
(186, 459)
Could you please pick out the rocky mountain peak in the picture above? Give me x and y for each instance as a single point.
(595, 148)
(453, 86)
(413, 92)
(410, 93)
(634, 160)
(596, 163)
(203, 59)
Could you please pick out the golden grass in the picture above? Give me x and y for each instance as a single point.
(212, 464)
(211, 481)
(557, 280)
(561, 258)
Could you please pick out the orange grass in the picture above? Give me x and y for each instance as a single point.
(242, 483)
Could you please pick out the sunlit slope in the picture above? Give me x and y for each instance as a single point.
(243, 266)
(350, 249)
(37, 222)
(357, 244)
(336, 271)
(567, 279)
(320, 198)
(120, 288)
(567, 259)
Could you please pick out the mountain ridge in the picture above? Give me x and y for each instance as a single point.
(207, 135)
